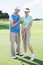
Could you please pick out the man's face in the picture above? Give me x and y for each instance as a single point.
(17, 11)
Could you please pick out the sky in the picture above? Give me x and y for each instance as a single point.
(36, 7)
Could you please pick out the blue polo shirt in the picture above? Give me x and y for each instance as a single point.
(15, 18)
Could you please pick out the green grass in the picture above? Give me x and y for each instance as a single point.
(36, 42)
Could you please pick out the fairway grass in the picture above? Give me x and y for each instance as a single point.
(36, 42)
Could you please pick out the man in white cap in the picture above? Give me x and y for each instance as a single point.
(15, 31)
(26, 25)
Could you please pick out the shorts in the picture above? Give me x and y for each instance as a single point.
(26, 38)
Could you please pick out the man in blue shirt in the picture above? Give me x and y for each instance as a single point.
(15, 31)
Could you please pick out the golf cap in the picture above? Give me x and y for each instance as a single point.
(27, 10)
(17, 8)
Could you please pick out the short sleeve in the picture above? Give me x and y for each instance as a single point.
(31, 18)
(11, 19)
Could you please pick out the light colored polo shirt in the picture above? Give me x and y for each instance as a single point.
(26, 21)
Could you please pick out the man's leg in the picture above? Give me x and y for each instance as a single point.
(12, 39)
(18, 42)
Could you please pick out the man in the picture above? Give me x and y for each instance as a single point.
(15, 31)
(26, 26)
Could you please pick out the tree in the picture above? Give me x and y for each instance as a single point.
(0, 14)
(4, 15)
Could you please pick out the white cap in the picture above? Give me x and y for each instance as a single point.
(17, 8)
(27, 10)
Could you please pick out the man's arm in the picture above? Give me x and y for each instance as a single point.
(14, 24)
(29, 27)
(22, 23)
(22, 26)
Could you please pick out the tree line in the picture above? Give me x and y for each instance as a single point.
(4, 15)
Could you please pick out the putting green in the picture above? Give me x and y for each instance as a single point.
(36, 42)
